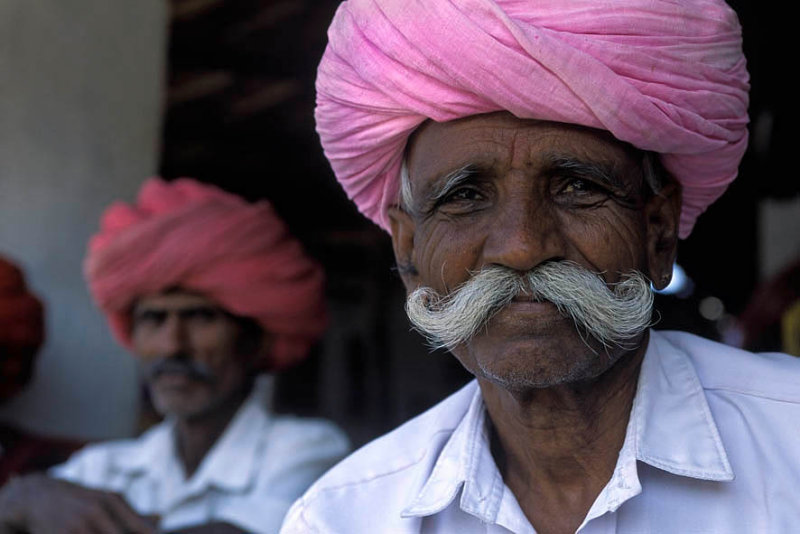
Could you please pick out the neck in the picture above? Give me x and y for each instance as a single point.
(196, 435)
(557, 447)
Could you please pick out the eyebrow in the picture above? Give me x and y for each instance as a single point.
(451, 181)
(181, 311)
(139, 314)
(593, 170)
(590, 169)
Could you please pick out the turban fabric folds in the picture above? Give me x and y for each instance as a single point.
(22, 329)
(199, 238)
(664, 76)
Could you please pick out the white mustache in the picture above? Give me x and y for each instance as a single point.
(613, 316)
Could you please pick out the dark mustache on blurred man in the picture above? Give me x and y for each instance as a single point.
(535, 163)
(180, 364)
(209, 292)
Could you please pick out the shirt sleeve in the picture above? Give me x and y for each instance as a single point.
(88, 467)
(323, 448)
(300, 452)
(73, 470)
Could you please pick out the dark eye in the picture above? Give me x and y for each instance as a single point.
(149, 318)
(580, 192)
(463, 194)
(466, 192)
(578, 186)
(203, 315)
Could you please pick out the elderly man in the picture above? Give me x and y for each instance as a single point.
(535, 163)
(207, 291)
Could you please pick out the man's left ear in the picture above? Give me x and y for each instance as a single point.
(662, 215)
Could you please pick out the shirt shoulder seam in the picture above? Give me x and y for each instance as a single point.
(791, 399)
(383, 474)
(307, 527)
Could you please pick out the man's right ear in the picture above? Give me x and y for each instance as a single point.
(403, 227)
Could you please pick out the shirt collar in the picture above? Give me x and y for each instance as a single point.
(229, 465)
(671, 419)
(466, 460)
(670, 428)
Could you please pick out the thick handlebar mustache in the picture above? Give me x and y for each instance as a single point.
(613, 314)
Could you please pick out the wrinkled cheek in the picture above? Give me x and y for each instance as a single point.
(445, 258)
(611, 242)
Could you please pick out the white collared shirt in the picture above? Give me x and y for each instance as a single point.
(712, 446)
(249, 478)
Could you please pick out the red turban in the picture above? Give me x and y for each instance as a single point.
(21, 329)
(21, 313)
(199, 238)
(666, 76)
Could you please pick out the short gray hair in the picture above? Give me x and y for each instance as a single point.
(406, 198)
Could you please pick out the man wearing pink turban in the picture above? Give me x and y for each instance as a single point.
(535, 163)
(208, 291)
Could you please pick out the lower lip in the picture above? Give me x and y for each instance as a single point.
(528, 312)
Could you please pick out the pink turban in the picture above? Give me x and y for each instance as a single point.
(664, 76)
(199, 238)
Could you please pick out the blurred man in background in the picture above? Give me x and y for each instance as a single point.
(208, 292)
(22, 333)
(536, 162)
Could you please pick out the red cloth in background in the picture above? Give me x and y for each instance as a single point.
(27, 453)
(22, 330)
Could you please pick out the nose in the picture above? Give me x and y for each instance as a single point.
(171, 339)
(524, 234)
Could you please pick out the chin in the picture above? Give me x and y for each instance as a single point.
(526, 377)
(181, 406)
(183, 413)
(535, 363)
